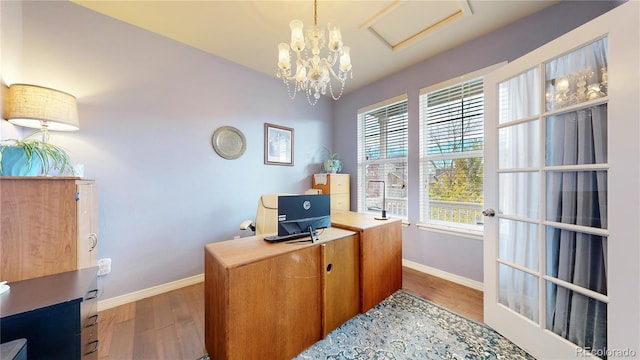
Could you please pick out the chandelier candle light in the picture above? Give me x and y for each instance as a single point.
(313, 74)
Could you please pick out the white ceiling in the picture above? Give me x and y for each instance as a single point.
(385, 36)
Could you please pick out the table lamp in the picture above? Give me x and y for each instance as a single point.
(384, 200)
(42, 108)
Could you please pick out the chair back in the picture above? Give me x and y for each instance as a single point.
(267, 216)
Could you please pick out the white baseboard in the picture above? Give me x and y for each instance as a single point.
(145, 293)
(174, 285)
(444, 275)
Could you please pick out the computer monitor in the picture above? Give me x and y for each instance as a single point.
(303, 213)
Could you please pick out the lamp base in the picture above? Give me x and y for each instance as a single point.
(383, 216)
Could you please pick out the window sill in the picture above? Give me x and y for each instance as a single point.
(471, 234)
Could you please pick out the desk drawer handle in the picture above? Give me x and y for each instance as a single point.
(95, 347)
(95, 294)
(95, 320)
(93, 237)
(329, 267)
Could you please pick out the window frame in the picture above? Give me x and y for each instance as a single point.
(470, 231)
(362, 162)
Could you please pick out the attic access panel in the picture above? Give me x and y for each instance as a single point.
(418, 19)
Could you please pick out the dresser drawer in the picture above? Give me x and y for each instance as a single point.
(340, 201)
(339, 183)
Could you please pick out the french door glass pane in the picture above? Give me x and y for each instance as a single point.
(518, 291)
(519, 97)
(577, 197)
(577, 77)
(519, 145)
(512, 200)
(584, 258)
(578, 137)
(577, 318)
(518, 243)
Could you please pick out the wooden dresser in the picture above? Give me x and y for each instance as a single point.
(48, 225)
(48, 242)
(338, 186)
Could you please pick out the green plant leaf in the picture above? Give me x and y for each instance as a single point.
(51, 156)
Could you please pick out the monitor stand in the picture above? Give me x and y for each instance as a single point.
(314, 234)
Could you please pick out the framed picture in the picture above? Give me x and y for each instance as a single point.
(278, 145)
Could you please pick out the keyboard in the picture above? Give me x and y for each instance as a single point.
(281, 238)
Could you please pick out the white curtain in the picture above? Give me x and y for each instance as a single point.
(518, 146)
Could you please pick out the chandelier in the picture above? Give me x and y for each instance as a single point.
(313, 73)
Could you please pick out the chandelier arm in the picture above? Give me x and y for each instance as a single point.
(287, 78)
(332, 58)
(304, 62)
(333, 73)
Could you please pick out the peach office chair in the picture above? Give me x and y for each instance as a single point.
(266, 221)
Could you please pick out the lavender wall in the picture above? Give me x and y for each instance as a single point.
(148, 107)
(460, 256)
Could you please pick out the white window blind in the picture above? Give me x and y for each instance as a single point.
(382, 156)
(451, 155)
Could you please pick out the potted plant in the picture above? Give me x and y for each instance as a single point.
(32, 157)
(332, 164)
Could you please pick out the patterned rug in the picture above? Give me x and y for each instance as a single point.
(404, 326)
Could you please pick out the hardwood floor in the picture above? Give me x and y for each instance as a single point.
(171, 326)
(457, 298)
(166, 326)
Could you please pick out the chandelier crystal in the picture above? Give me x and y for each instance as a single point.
(314, 72)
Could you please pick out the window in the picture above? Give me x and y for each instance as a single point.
(382, 157)
(451, 155)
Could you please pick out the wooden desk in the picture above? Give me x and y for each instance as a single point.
(272, 301)
(380, 254)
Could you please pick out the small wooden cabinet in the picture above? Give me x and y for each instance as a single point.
(48, 226)
(56, 314)
(338, 186)
(380, 254)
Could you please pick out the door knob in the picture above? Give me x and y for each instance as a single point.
(489, 212)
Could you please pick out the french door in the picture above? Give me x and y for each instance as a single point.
(559, 277)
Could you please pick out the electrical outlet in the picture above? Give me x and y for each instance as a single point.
(104, 266)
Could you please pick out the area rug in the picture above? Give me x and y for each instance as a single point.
(404, 326)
